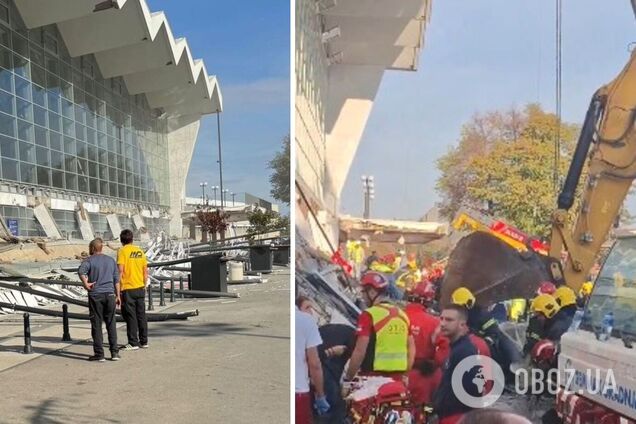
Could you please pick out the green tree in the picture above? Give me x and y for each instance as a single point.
(281, 177)
(264, 221)
(477, 138)
(508, 170)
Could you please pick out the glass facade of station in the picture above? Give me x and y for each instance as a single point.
(64, 127)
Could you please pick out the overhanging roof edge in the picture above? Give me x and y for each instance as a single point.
(150, 24)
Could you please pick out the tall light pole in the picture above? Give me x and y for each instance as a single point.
(223, 196)
(203, 185)
(214, 189)
(218, 129)
(369, 193)
(233, 195)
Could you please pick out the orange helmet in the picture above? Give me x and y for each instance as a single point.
(375, 280)
(546, 288)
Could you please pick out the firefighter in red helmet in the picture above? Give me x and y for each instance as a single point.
(384, 344)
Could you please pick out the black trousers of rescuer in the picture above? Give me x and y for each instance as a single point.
(101, 309)
(133, 309)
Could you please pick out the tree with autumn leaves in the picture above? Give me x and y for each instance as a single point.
(504, 165)
(212, 222)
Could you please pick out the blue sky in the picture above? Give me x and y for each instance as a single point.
(246, 45)
(479, 56)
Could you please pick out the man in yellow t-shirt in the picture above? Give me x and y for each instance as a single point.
(133, 269)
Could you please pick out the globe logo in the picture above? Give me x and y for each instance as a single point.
(477, 381)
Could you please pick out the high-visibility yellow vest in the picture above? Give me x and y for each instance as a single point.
(409, 279)
(391, 327)
(517, 309)
(380, 267)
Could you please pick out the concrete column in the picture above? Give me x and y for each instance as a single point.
(182, 136)
(114, 224)
(352, 90)
(4, 230)
(85, 226)
(139, 223)
(45, 219)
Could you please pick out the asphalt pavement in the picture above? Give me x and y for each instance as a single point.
(230, 364)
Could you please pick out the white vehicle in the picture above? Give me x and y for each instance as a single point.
(597, 379)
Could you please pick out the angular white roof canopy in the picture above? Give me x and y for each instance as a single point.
(387, 33)
(362, 39)
(131, 42)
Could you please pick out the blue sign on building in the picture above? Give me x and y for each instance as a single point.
(12, 224)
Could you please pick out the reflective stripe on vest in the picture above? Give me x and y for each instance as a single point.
(491, 322)
(391, 327)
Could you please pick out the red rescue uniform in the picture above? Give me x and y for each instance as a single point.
(423, 326)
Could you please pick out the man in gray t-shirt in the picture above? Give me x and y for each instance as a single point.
(100, 276)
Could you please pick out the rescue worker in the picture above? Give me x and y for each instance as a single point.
(560, 323)
(410, 275)
(499, 312)
(517, 309)
(337, 344)
(384, 345)
(484, 325)
(423, 324)
(454, 326)
(584, 294)
(425, 375)
(371, 259)
(546, 287)
(543, 308)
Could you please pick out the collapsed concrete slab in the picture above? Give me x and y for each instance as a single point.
(45, 219)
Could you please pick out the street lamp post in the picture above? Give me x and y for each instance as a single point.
(218, 128)
(369, 194)
(214, 189)
(203, 185)
(224, 196)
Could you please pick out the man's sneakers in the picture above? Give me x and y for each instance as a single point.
(115, 356)
(97, 358)
(129, 347)
(145, 346)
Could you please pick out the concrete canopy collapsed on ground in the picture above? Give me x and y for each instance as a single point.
(124, 100)
(390, 230)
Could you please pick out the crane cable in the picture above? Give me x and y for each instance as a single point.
(557, 141)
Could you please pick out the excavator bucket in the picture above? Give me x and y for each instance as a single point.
(493, 270)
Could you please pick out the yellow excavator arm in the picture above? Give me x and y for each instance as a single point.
(608, 139)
